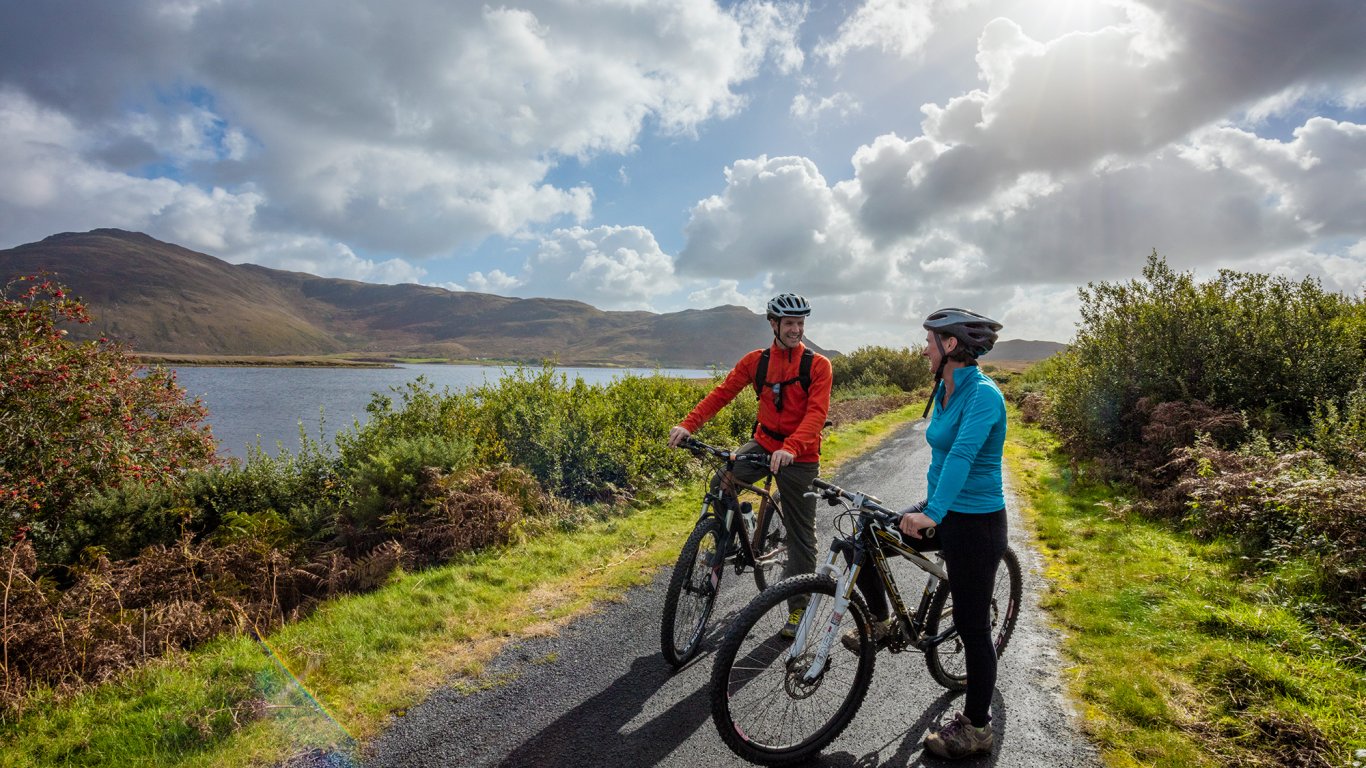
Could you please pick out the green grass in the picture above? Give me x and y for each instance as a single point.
(334, 677)
(1180, 653)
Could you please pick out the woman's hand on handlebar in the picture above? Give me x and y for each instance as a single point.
(677, 435)
(912, 523)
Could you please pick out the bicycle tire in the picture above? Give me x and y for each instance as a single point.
(744, 703)
(771, 554)
(693, 586)
(946, 660)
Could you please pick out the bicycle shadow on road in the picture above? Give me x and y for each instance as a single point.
(591, 733)
(911, 752)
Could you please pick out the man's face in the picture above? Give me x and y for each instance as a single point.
(789, 330)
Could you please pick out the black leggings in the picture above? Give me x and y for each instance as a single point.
(972, 546)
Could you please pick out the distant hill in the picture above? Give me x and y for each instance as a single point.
(162, 298)
(1020, 350)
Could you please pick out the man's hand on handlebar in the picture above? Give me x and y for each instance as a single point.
(779, 459)
(677, 435)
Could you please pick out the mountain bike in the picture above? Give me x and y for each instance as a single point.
(778, 701)
(728, 530)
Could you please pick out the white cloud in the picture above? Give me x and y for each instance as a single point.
(778, 216)
(50, 184)
(412, 127)
(496, 281)
(810, 108)
(899, 27)
(317, 256)
(608, 267)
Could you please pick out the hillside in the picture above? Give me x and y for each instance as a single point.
(162, 298)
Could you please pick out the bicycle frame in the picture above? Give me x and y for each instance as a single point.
(868, 535)
(731, 488)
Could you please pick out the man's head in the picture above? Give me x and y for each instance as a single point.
(787, 313)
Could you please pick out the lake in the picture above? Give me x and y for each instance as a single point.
(267, 405)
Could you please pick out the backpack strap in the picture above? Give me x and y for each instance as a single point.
(803, 371)
(761, 372)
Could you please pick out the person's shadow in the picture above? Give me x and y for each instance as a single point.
(590, 734)
(910, 751)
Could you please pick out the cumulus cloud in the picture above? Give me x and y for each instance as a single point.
(408, 127)
(50, 184)
(496, 281)
(608, 267)
(779, 215)
(1123, 90)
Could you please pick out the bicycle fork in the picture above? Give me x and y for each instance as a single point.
(843, 587)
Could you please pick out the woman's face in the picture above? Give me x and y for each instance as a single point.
(932, 350)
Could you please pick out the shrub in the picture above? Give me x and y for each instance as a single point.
(905, 369)
(80, 418)
(1265, 347)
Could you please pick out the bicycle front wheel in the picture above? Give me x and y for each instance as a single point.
(764, 707)
(692, 592)
(947, 662)
(771, 554)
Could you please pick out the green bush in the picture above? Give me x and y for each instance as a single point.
(77, 419)
(302, 491)
(878, 367)
(1268, 348)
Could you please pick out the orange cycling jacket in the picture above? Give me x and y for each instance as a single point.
(803, 414)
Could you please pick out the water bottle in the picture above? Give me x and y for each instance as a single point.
(750, 521)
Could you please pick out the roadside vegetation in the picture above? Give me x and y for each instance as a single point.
(142, 578)
(1195, 467)
(1201, 492)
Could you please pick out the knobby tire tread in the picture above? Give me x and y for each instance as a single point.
(687, 558)
(730, 645)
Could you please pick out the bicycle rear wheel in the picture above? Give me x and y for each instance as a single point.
(763, 707)
(692, 592)
(771, 554)
(947, 662)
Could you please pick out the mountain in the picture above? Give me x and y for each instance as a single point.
(1021, 350)
(162, 298)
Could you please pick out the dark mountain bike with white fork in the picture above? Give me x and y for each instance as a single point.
(729, 532)
(778, 701)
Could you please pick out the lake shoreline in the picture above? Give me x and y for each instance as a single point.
(359, 361)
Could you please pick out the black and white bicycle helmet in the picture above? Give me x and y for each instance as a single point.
(977, 333)
(788, 305)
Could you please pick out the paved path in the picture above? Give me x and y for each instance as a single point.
(600, 694)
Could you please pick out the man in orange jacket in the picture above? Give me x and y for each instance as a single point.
(794, 399)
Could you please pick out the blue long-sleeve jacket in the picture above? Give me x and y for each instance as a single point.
(966, 441)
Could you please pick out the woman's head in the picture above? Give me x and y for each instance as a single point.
(958, 334)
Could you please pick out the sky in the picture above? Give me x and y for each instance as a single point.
(882, 158)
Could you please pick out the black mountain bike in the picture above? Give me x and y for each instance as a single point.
(778, 701)
(728, 531)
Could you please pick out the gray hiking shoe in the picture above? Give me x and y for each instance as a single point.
(880, 629)
(959, 738)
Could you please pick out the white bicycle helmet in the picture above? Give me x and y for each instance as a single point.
(788, 305)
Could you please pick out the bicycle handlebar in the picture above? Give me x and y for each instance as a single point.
(697, 446)
(870, 504)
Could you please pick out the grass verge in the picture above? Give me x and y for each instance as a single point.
(1180, 653)
(333, 678)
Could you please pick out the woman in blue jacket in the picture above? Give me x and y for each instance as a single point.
(966, 506)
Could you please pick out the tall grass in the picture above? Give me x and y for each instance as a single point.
(1182, 655)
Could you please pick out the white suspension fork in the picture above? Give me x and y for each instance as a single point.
(832, 626)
